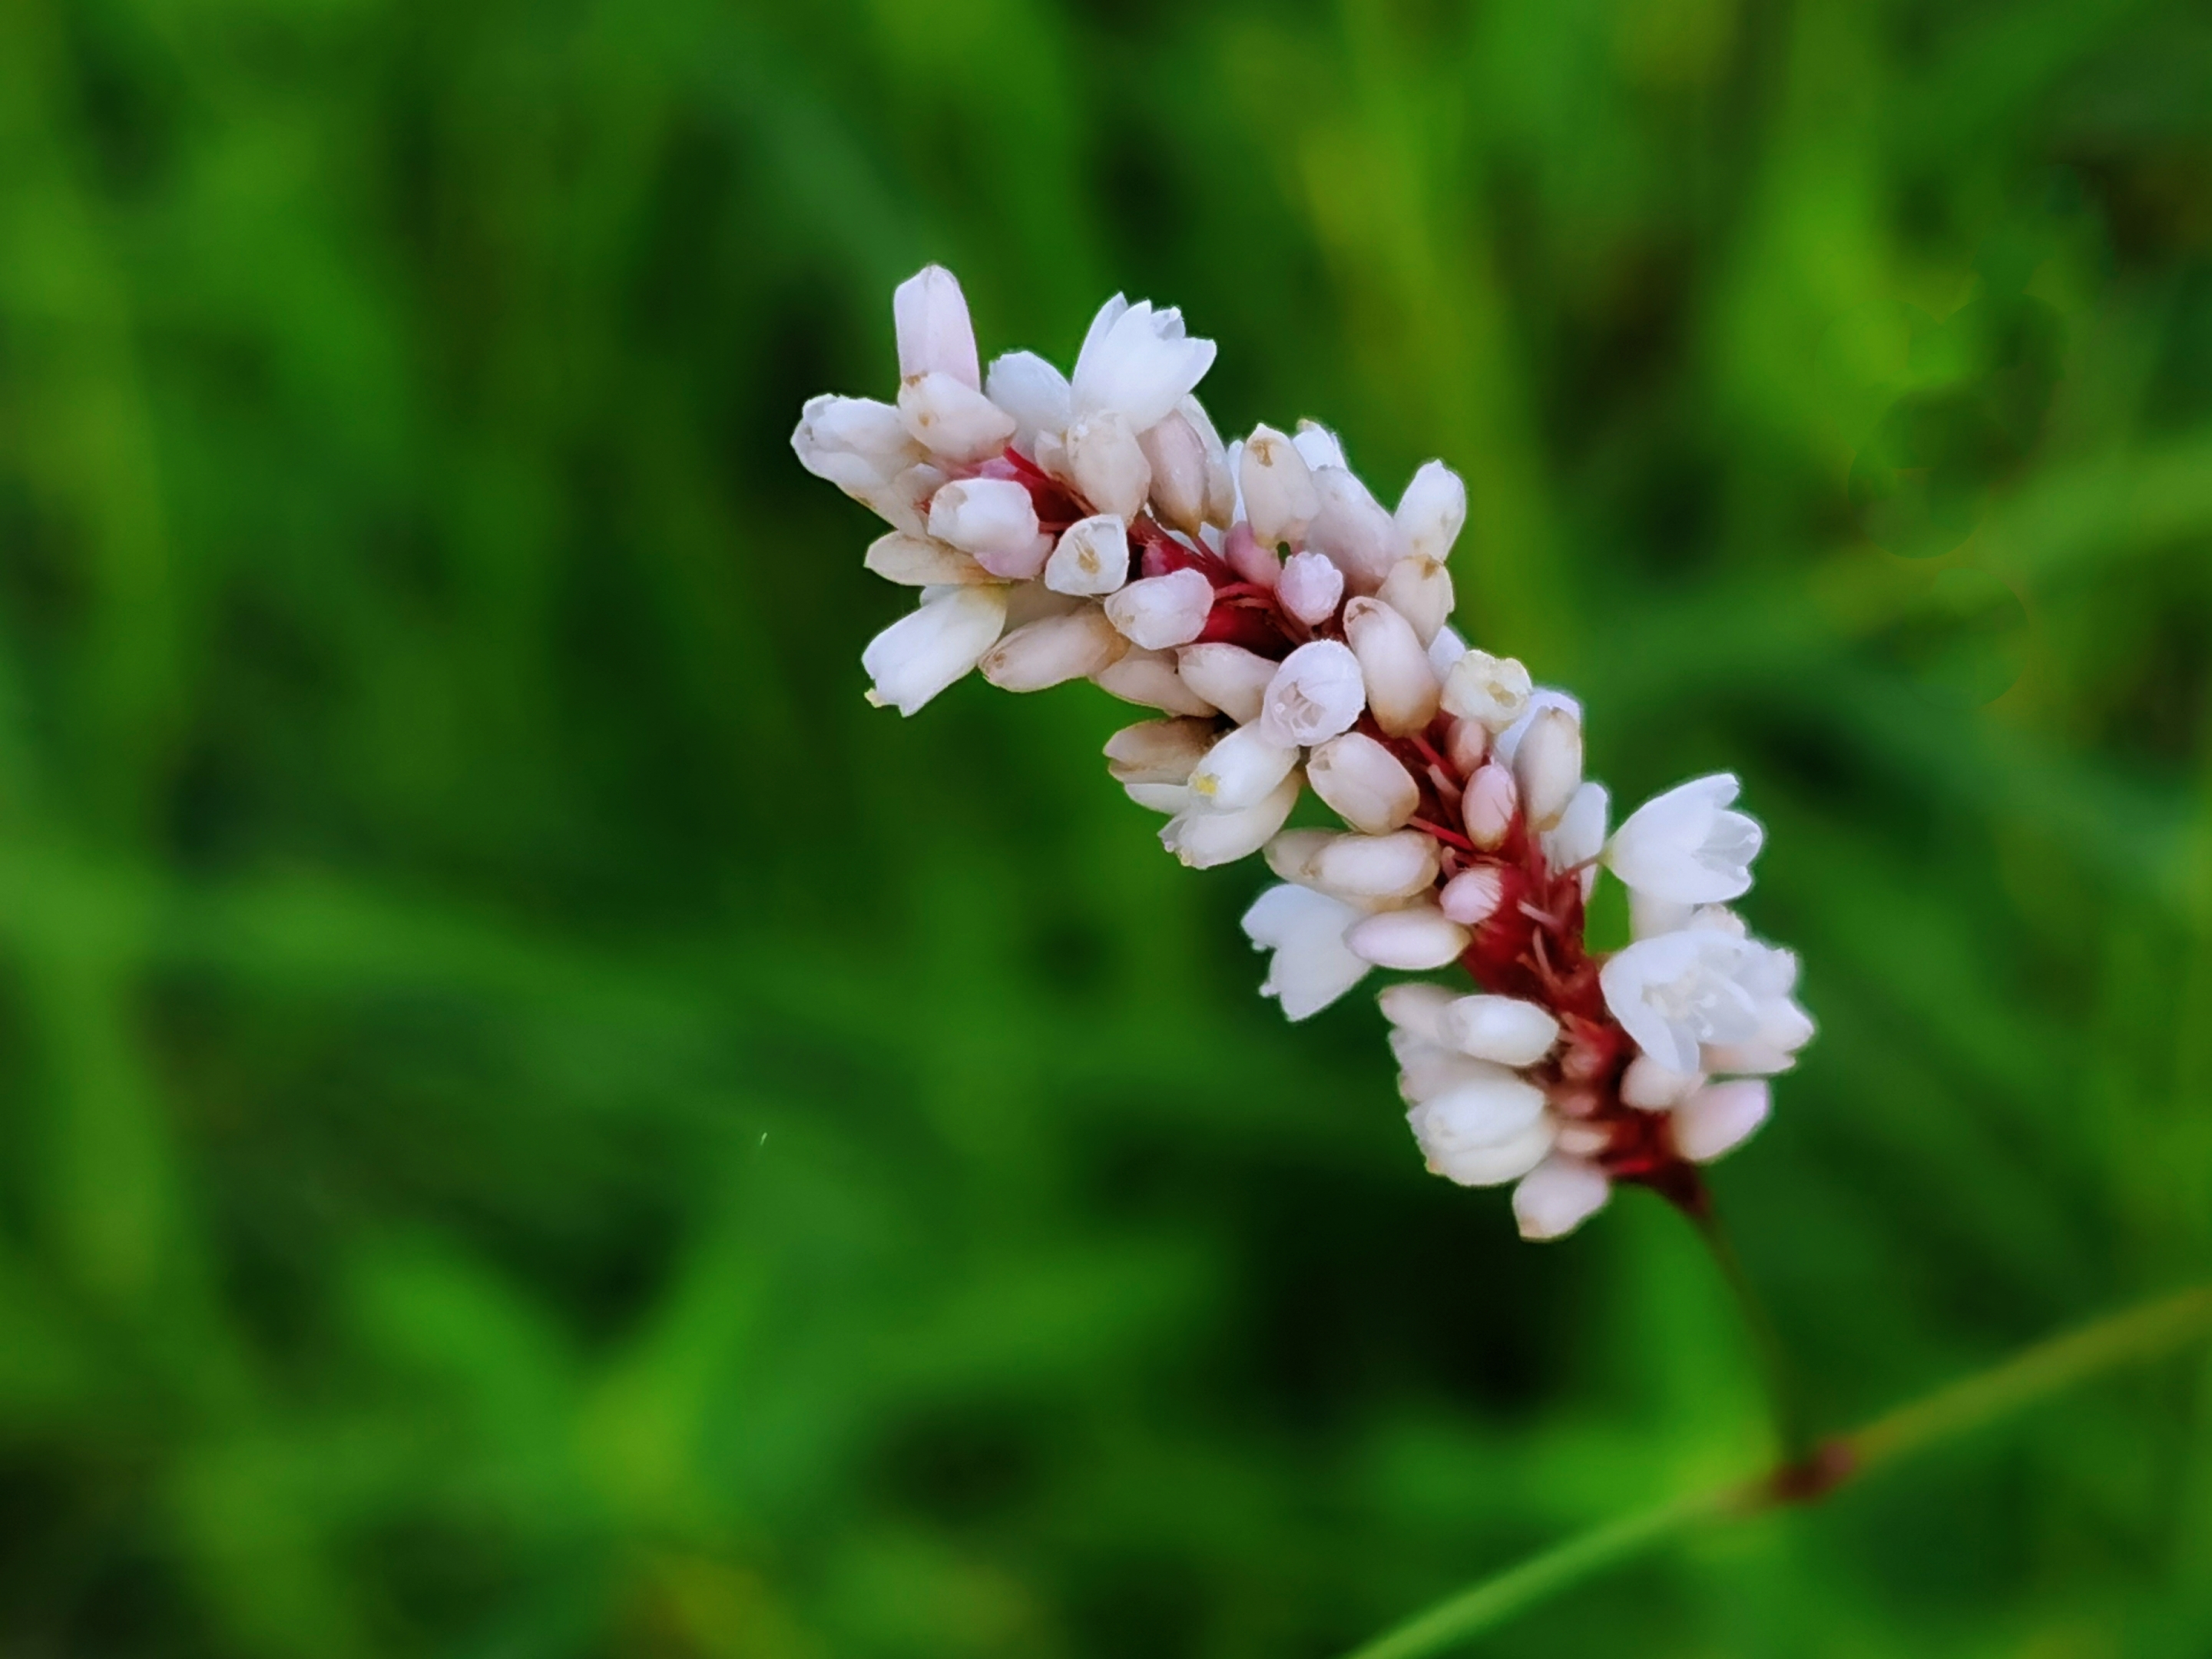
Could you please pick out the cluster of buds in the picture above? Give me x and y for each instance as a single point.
(1292, 633)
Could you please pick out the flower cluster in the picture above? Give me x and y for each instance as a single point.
(1293, 633)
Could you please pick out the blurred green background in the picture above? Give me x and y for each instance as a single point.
(537, 1124)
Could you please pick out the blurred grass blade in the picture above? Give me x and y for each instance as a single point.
(2145, 1332)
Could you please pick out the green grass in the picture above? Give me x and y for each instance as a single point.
(537, 1124)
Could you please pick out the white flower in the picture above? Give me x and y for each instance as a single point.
(1158, 751)
(925, 650)
(1494, 690)
(1241, 769)
(921, 562)
(1318, 692)
(1183, 458)
(1160, 611)
(1202, 838)
(1508, 743)
(1375, 869)
(1576, 839)
(1685, 846)
(1362, 781)
(1431, 511)
(1770, 975)
(1677, 991)
(1138, 362)
(934, 335)
(1312, 968)
(1310, 587)
(1317, 445)
(1558, 1196)
(1092, 557)
(1033, 393)
(1400, 688)
(1148, 678)
(1455, 1133)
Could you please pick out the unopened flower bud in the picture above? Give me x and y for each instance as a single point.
(1033, 392)
(1467, 745)
(1548, 766)
(1472, 897)
(1167, 799)
(1558, 1196)
(1158, 751)
(1401, 690)
(1350, 526)
(1431, 511)
(1070, 647)
(922, 562)
(1503, 1029)
(1278, 488)
(1220, 483)
(1376, 869)
(1417, 1006)
(1160, 611)
(952, 419)
(1260, 566)
(1092, 557)
(1204, 838)
(994, 519)
(856, 443)
(1459, 1134)
(1651, 1087)
(1492, 690)
(1176, 454)
(1317, 692)
(1719, 1117)
(1241, 769)
(1421, 938)
(925, 650)
(1310, 588)
(1148, 678)
(1295, 853)
(1489, 804)
(1420, 591)
(1107, 464)
(1363, 783)
(1232, 678)
(930, 316)
(1317, 445)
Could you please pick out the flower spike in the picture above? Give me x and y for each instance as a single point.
(1289, 632)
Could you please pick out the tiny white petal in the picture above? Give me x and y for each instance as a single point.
(1720, 1117)
(1363, 783)
(1558, 1196)
(1310, 967)
(1579, 837)
(856, 443)
(1676, 991)
(1107, 464)
(1092, 557)
(1351, 526)
(1160, 611)
(1508, 741)
(1317, 445)
(1318, 692)
(1170, 799)
(1410, 940)
(934, 335)
(925, 650)
(1686, 846)
(1445, 651)
(1232, 678)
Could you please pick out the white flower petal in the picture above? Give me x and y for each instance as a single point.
(1413, 939)
(1720, 1117)
(1318, 692)
(1685, 848)
(1160, 611)
(934, 334)
(1558, 1196)
(925, 650)
(1310, 968)
(1092, 557)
